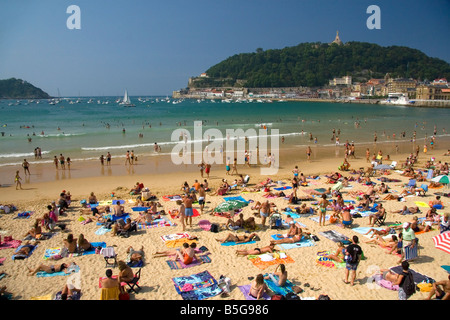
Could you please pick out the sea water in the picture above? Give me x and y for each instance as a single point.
(86, 128)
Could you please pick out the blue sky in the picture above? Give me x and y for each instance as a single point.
(153, 47)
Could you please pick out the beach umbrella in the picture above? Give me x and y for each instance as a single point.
(442, 241)
(382, 167)
(441, 179)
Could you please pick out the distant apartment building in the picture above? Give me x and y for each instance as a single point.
(401, 85)
(344, 81)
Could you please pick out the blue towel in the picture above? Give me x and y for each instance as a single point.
(228, 244)
(239, 198)
(283, 188)
(446, 268)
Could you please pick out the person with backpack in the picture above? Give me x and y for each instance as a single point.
(405, 281)
(352, 257)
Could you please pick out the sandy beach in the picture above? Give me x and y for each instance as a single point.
(46, 183)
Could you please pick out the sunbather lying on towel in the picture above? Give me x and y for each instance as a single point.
(26, 248)
(238, 239)
(268, 249)
(49, 269)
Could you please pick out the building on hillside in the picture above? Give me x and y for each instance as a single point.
(344, 81)
(337, 40)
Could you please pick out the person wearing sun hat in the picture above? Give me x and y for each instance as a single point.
(409, 241)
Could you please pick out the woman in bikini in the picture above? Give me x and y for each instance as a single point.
(83, 244)
(48, 269)
(338, 256)
(258, 287)
(268, 249)
(323, 204)
(238, 239)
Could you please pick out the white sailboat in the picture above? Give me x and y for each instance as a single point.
(126, 101)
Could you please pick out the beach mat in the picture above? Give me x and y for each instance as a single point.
(418, 277)
(363, 230)
(155, 224)
(175, 265)
(21, 257)
(43, 274)
(175, 236)
(50, 252)
(198, 286)
(335, 236)
(91, 251)
(446, 268)
(284, 290)
(231, 243)
(246, 291)
(238, 198)
(327, 262)
(102, 230)
(263, 261)
(11, 244)
(316, 219)
(287, 246)
(24, 215)
(283, 188)
(139, 209)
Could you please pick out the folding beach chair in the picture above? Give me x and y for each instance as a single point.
(412, 183)
(110, 257)
(127, 233)
(381, 220)
(133, 284)
(422, 190)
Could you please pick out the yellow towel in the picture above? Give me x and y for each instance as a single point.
(178, 242)
(47, 297)
(110, 293)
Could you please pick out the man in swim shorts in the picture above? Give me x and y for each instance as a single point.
(188, 211)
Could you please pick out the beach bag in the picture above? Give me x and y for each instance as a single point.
(124, 296)
(214, 228)
(408, 284)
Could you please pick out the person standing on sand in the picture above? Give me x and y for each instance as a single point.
(108, 159)
(127, 158)
(201, 198)
(188, 211)
(352, 257)
(62, 161)
(202, 168)
(55, 161)
(207, 169)
(323, 204)
(17, 180)
(26, 166)
(181, 212)
(234, 168)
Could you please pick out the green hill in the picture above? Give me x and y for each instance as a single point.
(19, 89)
(314, 64)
